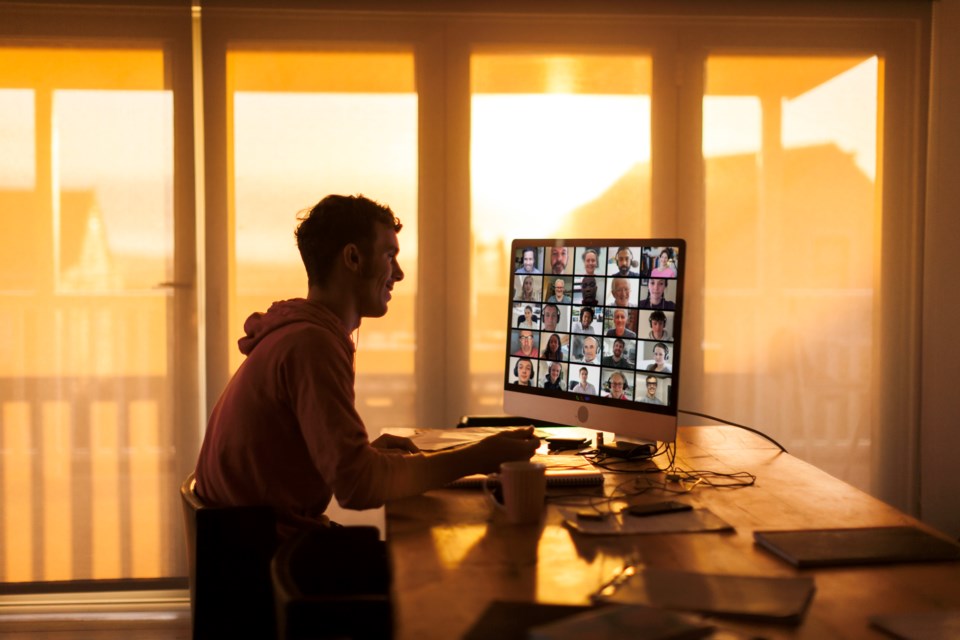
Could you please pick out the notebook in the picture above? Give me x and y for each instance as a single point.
(872, 545)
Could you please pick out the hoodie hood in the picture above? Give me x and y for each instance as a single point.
(286, 312)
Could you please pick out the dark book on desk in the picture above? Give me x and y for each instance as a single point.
(555, 478)
(614, 622)
(509, 620)
(861, 546)
(770, 599)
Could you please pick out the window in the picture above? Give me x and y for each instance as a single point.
(87, 202)
(560, 147)
(307, 124)
(792, 227)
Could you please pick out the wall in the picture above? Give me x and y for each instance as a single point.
(940, 408)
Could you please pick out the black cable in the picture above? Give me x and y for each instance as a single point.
(734, 424)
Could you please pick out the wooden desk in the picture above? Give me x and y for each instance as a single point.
(452, 556)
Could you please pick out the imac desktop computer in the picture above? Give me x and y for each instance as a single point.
(594, 329)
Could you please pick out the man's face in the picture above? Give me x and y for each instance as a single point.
(621, 292)
(585, 319)
(651, 387)
(379, 271)
(656, 287)
(558, 259)
(528, 258)
(589, 349)
(590, 262)
(623, 261)
(526, 342)
(620, 321)
(558, 289)
(524, 371)
(550, 318)
(617, 349)
(583, 376)
(657, 326)
(589, 288)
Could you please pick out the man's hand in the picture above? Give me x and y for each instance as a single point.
(513, 444)
(389, 441)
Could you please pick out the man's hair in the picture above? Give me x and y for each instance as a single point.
(653, 378)
(555, 307)
(658, 316)
(584, 310)
(621, 341)
(332, 224)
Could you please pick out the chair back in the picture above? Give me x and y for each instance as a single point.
(228, 554)
(333, 583)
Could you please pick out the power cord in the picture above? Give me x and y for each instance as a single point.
(734, 424)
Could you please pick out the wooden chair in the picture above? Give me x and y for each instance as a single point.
(229, 551)
(333, 583)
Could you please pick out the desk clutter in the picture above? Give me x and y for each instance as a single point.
(623, 558)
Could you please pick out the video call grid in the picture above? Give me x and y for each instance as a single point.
(550, 324)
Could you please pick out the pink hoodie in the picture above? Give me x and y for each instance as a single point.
(285, 431)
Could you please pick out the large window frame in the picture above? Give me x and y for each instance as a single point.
(442, 43)
(679, 45)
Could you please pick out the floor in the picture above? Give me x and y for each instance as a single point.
(155, 615)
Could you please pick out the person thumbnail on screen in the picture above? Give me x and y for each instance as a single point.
(617, 385)
(555, 376)
(656, 389)
(587, 380)
(623, 262)
(586, 350)
(553, 346)
(658, 294)
(560, 261)
(524, 343)
(589, 259)
(526, 316)
(623, 292)
(524, 371)
(588, 290)
(528, 261)
(665, 263)
(585, 324)
(660, 324)
(619, 353)
(527, 288)
(617, 323)
(555, 317)
(558, 289)
(656, 357)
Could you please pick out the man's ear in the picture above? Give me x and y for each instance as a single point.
(352, 258)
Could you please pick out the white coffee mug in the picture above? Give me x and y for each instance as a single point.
(524, 487)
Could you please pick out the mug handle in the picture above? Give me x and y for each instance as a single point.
(488, 493)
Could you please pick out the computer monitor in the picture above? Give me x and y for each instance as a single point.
(594, 334)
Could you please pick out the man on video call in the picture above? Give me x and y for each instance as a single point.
(285, 432)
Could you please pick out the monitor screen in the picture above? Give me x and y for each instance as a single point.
(593, 334)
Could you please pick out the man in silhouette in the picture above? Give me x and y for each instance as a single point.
(285, 432)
